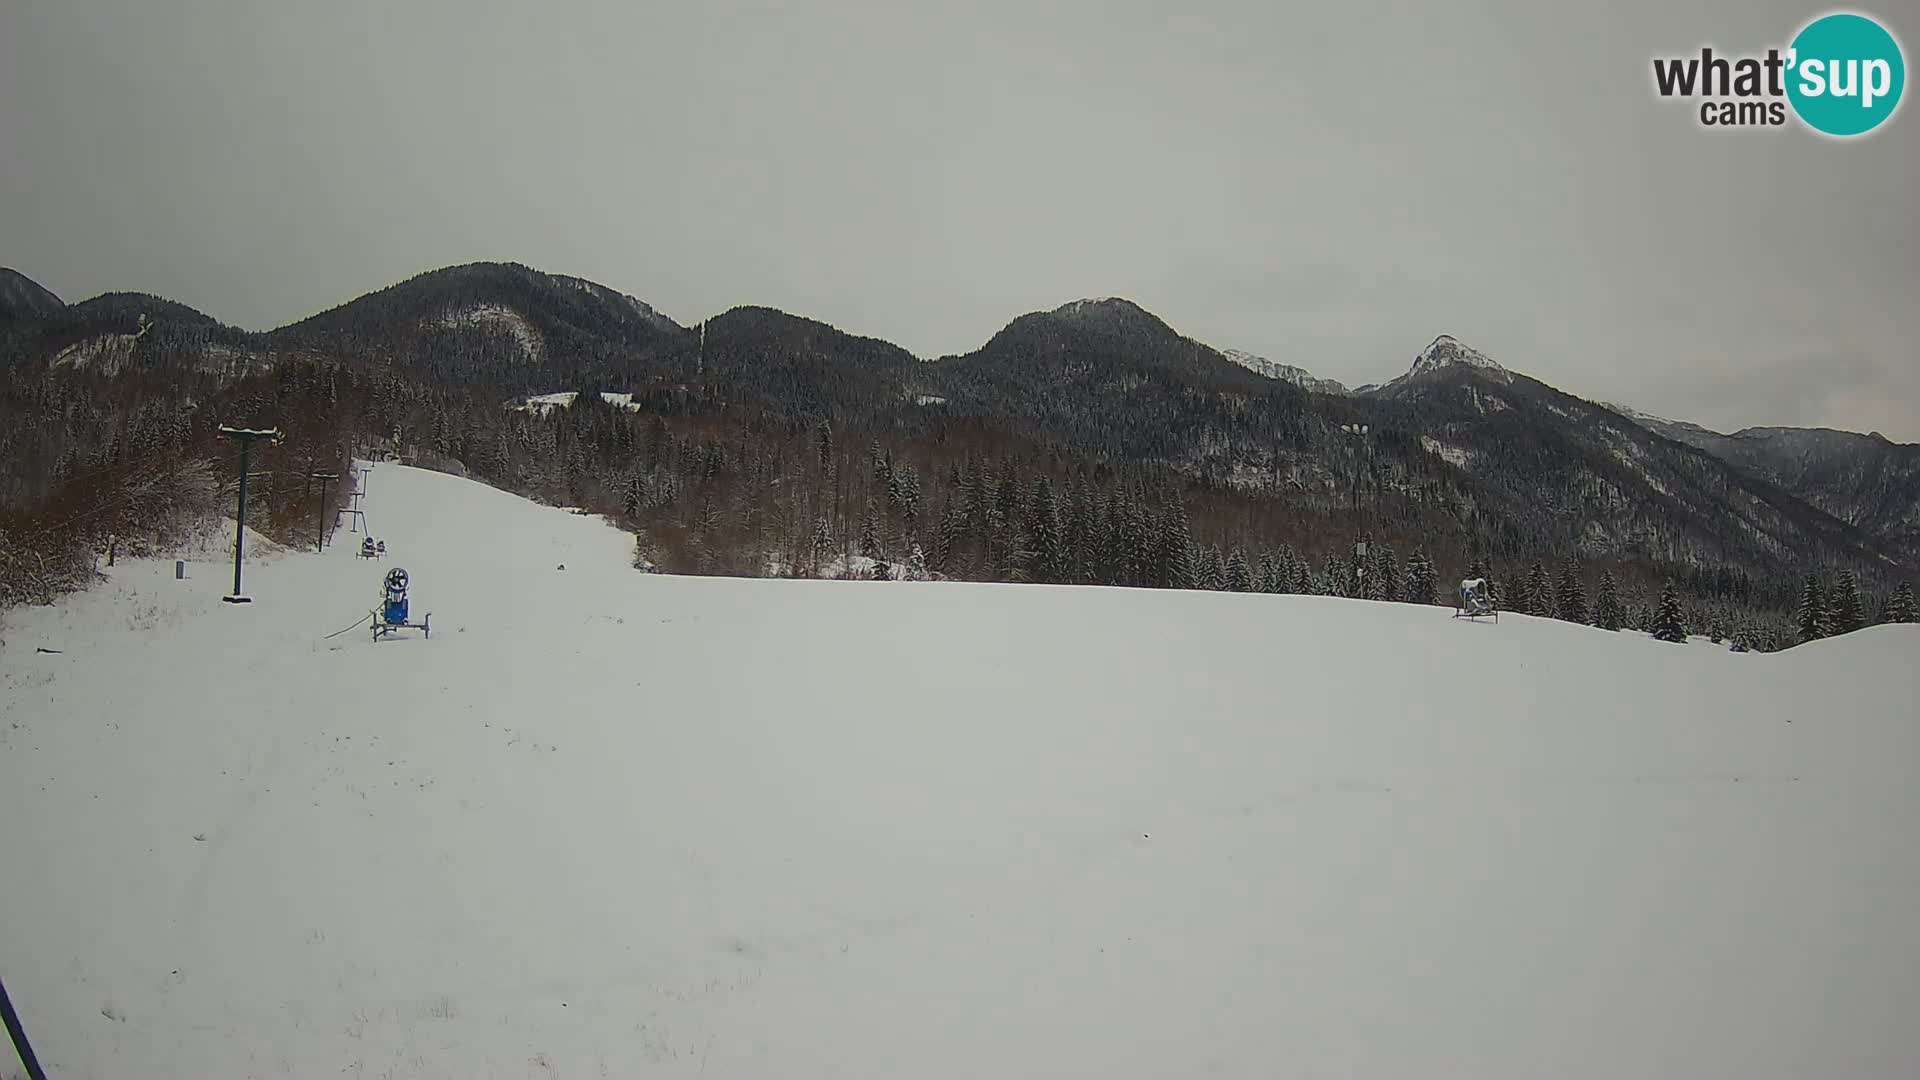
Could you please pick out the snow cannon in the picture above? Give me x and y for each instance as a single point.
(392, 613)
(394, 609)
(1475, 601)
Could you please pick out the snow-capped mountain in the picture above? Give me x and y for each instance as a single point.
(1288, 373)
(1446, 352)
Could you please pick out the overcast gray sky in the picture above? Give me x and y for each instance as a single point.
(1329, 185)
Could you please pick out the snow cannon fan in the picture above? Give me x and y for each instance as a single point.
(395, 610)
(392, 614)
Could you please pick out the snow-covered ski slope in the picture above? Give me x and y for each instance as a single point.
(610, 824)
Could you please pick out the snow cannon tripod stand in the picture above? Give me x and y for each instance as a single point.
(391, 615)
(1475, 601)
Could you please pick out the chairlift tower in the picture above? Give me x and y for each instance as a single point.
(326, 482)
(1360, 432)
(356, 516)
(246, 437)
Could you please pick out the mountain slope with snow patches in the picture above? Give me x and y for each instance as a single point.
(612, 823)
(1289, 373)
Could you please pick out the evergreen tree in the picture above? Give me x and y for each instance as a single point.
(1004, 522)
(823, 443)
(1843, 608)
(1043, 534)
(821, 543)
(1267, 579)
(1606, 607)
(1176, 569)
(870, 535)
(1149, 555)
(917, 564)
(1570, 600)
(1535, 599)
(1668, 625)
(1112, 558)
(1639, 611)
(1213, 569)
(952, 520)
(1422, 583)
(1383, 578)
(1901, 608)
(904, 489)
(1300, 576)
(1077, 531)
(1813, 611)
(1239, 576)
(1334, 578)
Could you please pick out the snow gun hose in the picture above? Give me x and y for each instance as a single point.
(19, 1035)
(355, 626)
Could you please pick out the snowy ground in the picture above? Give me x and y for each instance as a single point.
(611, 824)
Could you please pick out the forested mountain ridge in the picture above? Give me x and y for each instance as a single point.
(495, 324)
(21, 297)
(1865, 480)
(759, 440)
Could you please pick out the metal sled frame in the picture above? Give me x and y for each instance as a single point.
(394, 602)
(1477, 613)
(381, 628)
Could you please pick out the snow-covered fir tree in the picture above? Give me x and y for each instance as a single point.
(1077, 530)
(1267, 578)
(1536, 599)
(1383, 576)
(947, 536)
(1813, 611)
(1422, 580)
(1334, 577)
(1239, 577)
(1570, 599)
(1606, 606)
(1843, 608)
(1043, 535)
(1176, 550)
(1213, 569)
(1900, 609)
(820, 544)
(1668, 623)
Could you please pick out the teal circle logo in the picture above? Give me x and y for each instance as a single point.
(1845, 74)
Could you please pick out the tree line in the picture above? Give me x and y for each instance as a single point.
(706, 494)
